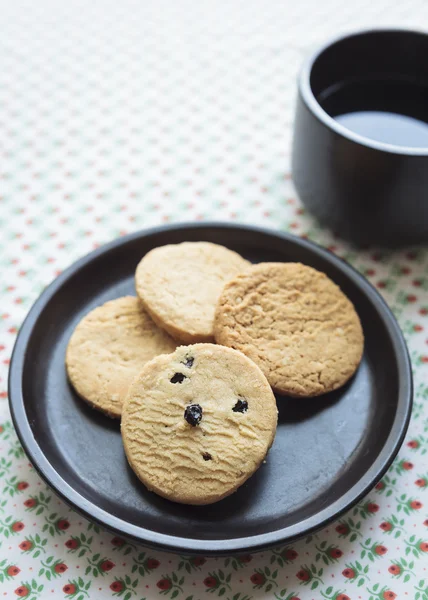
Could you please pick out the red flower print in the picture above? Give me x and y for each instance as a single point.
(17, 526)
(407, 465)
(342, 529)
(424, 359)
(30, 503)
(335, 553)
(413, 444)
(152, 563)
(294, 598)
(372, 507)
(423, 546)
(210, 582)
(21, 485)
(107, 565)
(386, 526)
(118, 542)
(381, 550)
(342, 597)
(289, 554)
(116, 586)
(349, 573)
(417, 327)
(405, 270)
(12, 570)
(26, 545)
(388, 595)
(303, 575)
(394, 569)
(69, 589)
(198, 561)
(60, 568)
(426, 522)
(421, 482)
(63, 524)
(72, 544)
(257, 579)
(22, 591)
(245, 559)
(416, 505)
(411, 298)
(165, 584)
(380, 485)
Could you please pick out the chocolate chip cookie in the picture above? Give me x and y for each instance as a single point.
(197, 423)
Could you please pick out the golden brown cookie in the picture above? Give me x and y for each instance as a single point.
(179, 286)
(295, 323)
(107, 350)
(197, 423)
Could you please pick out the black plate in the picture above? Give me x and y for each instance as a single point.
(328, 451)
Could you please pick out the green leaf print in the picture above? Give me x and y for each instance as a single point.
(76, 589)
(408, 504)
(366, 510)
(5, 466)
(55, 525)
(79, 544)
(98, 565)
(37, 503)
(348, 528)
(16, 450)
(416, 547)
(217, 582)
(29, 590)
(283, 556)
(328, 553)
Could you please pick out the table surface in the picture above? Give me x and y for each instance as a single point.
(119, 116)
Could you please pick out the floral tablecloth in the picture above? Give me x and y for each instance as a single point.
(115, 116)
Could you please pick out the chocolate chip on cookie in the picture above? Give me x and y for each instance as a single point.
(193, 414)
(240, 406)
(178, 378)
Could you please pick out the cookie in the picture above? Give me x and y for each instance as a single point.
(179, 286)
(295, 323)
(198, 423)
(107, 350)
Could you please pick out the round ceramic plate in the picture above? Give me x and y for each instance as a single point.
(328, 451)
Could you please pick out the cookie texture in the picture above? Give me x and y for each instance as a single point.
(198, 423)
(179, 285)
(295, 323)
(108, 348)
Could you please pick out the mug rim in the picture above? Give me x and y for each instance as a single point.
(315, 107)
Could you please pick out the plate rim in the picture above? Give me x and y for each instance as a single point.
(173, 543)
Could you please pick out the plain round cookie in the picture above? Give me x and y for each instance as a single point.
(108, 348)
(179, 285)
(198, 462)
(295, 323)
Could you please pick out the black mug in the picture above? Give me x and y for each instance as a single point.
(360, 146)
